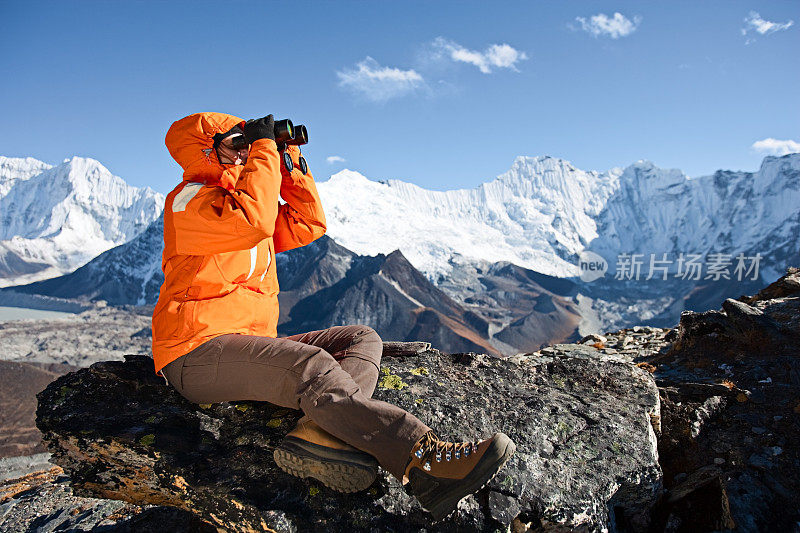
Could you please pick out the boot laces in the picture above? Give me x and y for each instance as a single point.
(431, 447)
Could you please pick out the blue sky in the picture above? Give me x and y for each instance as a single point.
(456, 90)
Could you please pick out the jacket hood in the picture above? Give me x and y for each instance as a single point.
(190, 141)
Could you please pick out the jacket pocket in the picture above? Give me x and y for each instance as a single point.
(175, 320)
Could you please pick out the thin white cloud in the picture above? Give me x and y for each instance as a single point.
(776, 147)
(753, 23)
(495, 56)
(331, 159)
(377, 83)
(616, 26)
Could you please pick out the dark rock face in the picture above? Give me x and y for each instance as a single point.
(730, 390)
(528, 309)
(584, 428)
(324, 284)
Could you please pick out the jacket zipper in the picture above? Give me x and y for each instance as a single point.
(269, 261)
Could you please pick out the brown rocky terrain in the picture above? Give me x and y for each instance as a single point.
(19, 384)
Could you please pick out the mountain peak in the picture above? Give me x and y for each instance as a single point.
(84, 166)
(13, 169)
(21, 163)
(350, 176)
(646, 172)
(64, 215)
(542, 163)
(789, 160)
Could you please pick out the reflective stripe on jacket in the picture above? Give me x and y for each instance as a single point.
(222, 229)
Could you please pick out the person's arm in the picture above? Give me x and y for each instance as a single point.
(210, 220)
(301, 219)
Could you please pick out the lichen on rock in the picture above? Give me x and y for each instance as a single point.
(390, 381)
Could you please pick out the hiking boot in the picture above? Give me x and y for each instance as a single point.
(442, 473)
(310, 451)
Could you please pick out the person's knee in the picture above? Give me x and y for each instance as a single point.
(313, 360)
(372, 344)
(330, 387)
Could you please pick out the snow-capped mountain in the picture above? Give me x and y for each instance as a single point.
(658, 211)
(128, 274)
(543, 212)
(535, 215)
(55, 219)
(508, 250)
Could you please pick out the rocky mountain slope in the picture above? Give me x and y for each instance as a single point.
(128, 274)
(524, 309)
(544, 213)
(325, 284)
(55, 219)
(508, 308)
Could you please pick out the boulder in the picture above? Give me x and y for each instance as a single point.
(730, 398)
(585, 431)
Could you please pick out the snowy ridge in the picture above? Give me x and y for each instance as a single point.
(13, 169)
(513, 218)
(544, 211)
(658, 211)
(55, 219)
(539, 215)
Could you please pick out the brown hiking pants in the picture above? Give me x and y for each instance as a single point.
(329, 374)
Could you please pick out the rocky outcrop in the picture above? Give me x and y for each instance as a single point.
(585, 418)
(585, 430)
(730, 390)
(42, 501)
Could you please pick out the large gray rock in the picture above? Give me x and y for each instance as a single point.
(730, 385)
(584, 428)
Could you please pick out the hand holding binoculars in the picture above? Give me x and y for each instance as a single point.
(283, 132)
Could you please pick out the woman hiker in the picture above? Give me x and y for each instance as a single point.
(215, 323)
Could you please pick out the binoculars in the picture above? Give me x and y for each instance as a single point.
(288, 133)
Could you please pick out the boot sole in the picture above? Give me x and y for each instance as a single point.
(339, 470)
(480, 476)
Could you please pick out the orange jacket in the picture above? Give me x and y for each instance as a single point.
(222, 229)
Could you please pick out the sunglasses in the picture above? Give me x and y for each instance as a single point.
(233, 138)
(237, 142)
